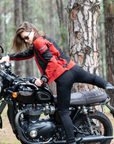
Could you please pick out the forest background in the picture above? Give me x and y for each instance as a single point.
(52, 16)
(55, 18)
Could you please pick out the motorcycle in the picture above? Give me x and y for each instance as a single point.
(28, 104)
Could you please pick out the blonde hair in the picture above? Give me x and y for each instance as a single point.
(18, 43)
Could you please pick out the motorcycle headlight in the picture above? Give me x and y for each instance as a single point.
(33, 133)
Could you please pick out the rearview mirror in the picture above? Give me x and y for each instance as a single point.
(1, 49)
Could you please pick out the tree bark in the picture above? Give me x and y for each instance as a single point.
(18, 70)
(83, 37)
(109, 42)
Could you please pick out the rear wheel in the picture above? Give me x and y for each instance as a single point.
(100, 123)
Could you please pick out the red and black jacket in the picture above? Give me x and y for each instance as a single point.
(50, 59)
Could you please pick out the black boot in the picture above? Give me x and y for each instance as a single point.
(109, 88)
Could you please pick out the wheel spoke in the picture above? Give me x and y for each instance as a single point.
(99, 124)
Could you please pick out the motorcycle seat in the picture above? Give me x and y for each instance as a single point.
(85, 98)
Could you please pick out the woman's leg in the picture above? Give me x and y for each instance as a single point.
(64, 84)
(83, 76)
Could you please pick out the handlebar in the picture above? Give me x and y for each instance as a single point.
(7, 68)
(7, 74)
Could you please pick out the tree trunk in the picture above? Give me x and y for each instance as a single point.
(83, 37)
(25, 17)
(60, 11)
(63, 26)
(24, 10)
(109, 42)
(42, 19)
(17, 22)
(1, 29)
(52, 35)
(5, 25)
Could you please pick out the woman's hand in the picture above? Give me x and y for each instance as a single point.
(5, 58)
(38, 82)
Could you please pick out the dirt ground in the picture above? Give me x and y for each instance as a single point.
(112, 120)
(7, 136)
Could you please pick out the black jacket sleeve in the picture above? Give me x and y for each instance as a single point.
(22, 55)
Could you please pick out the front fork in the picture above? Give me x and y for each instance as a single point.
(11, 115)
(2, 106)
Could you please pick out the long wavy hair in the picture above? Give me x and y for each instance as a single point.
(18, 43)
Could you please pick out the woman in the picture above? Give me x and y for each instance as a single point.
(54, 64)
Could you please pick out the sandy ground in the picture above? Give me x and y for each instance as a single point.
(7, 136)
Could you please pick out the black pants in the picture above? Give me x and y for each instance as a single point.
(64, 85)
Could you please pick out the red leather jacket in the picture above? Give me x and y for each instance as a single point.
(50, 59)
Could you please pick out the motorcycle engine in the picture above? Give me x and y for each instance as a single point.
(33, 126)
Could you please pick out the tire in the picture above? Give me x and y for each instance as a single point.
(82, 124)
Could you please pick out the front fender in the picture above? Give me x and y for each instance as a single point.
(0, 122)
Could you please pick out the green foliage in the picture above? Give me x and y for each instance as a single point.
(63, 30)
(101, 40)
(109, 6)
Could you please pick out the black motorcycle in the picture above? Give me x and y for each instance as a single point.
(28, 104)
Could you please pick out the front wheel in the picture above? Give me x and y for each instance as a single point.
(100, 123)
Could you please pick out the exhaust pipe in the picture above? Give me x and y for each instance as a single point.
(86, 139)
(98, 138)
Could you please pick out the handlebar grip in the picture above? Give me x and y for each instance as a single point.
(32, 80)
(44, 79)
(1, 49)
